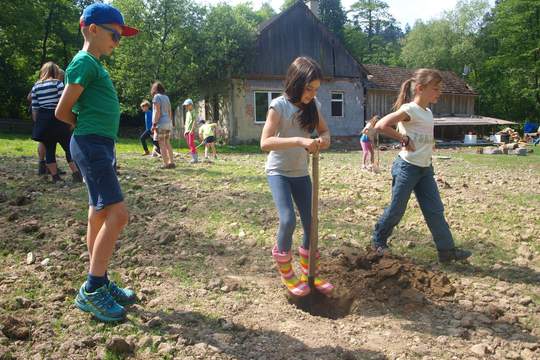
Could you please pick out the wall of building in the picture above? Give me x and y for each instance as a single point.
(380, 102)
(240, 115)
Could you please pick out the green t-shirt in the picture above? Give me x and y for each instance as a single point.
(207, 130)
(97, 109)
(189, 122)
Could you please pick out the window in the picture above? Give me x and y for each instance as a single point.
(337, 103)
(262, 101)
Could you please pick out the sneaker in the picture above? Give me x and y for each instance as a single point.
(447, 256)
(122, 296)
(100, 304)
(76, 177)
(56, 178)
(381, 250)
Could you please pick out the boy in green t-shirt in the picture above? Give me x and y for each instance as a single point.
(90, 104)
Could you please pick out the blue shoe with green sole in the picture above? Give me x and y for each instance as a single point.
(100, 304)
(122, 296)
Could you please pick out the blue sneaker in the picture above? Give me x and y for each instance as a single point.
(122, 296)
(100, 304)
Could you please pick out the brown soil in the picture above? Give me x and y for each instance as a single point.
(364, 277)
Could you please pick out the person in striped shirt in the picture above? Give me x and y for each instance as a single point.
(46, 93)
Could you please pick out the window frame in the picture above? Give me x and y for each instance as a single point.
(342, 101)
(269, 98)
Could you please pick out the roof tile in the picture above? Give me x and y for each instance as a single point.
(391, 78)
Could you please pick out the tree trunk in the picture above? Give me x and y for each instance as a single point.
(215, 108)
(48, 24)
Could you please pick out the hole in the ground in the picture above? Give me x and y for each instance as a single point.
(335, 306)
(365, 278)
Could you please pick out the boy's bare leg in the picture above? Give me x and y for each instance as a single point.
(116, 218)
(95, 222)
(206, 150)
(213, 145)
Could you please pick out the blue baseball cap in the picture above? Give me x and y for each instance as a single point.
(99, 13)
(188, 102)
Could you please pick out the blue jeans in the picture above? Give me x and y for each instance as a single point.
(284, 191)
(407, 178)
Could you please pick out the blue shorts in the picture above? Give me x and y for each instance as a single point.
(94, 155)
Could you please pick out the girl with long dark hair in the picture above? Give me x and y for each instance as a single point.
(290, 121)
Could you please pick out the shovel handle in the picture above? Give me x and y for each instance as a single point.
(314, 229)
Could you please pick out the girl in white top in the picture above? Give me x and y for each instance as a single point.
(291, 119)
(412, 170)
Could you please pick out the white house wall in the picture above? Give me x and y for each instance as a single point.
(241, 121)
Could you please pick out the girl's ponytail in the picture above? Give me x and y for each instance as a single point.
(420, 77)
(405, 94)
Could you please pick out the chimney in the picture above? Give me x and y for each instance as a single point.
(314, 6)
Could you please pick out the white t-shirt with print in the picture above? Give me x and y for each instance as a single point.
(420, 130)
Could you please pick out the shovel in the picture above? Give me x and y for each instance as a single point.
(317, 303)
(375, 166)
(314, 229)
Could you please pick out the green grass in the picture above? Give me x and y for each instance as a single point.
(23, 145)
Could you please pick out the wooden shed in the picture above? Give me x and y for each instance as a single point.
(384, 82)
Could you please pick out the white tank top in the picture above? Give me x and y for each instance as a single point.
(420, 129)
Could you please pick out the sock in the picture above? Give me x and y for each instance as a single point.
(95, 282)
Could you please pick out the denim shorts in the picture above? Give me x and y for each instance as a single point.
(94, 155)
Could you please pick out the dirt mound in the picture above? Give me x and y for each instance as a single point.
(366, 278)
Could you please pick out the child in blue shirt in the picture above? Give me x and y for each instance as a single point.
(147, 134)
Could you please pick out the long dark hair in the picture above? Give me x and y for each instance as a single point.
(301, 72)
(420, 76)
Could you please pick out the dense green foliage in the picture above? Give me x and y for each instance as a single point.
(194, 49)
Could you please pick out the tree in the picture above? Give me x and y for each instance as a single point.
(369, 14)
(380, 42)
(163, 50)
(227, 41)
(447, 43)
(507, 76)
(287, 4)
(332, 15)
(265, 12)
(32, 33)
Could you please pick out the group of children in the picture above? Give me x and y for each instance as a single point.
(291, 120)
(90, 104)
(162, 129)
